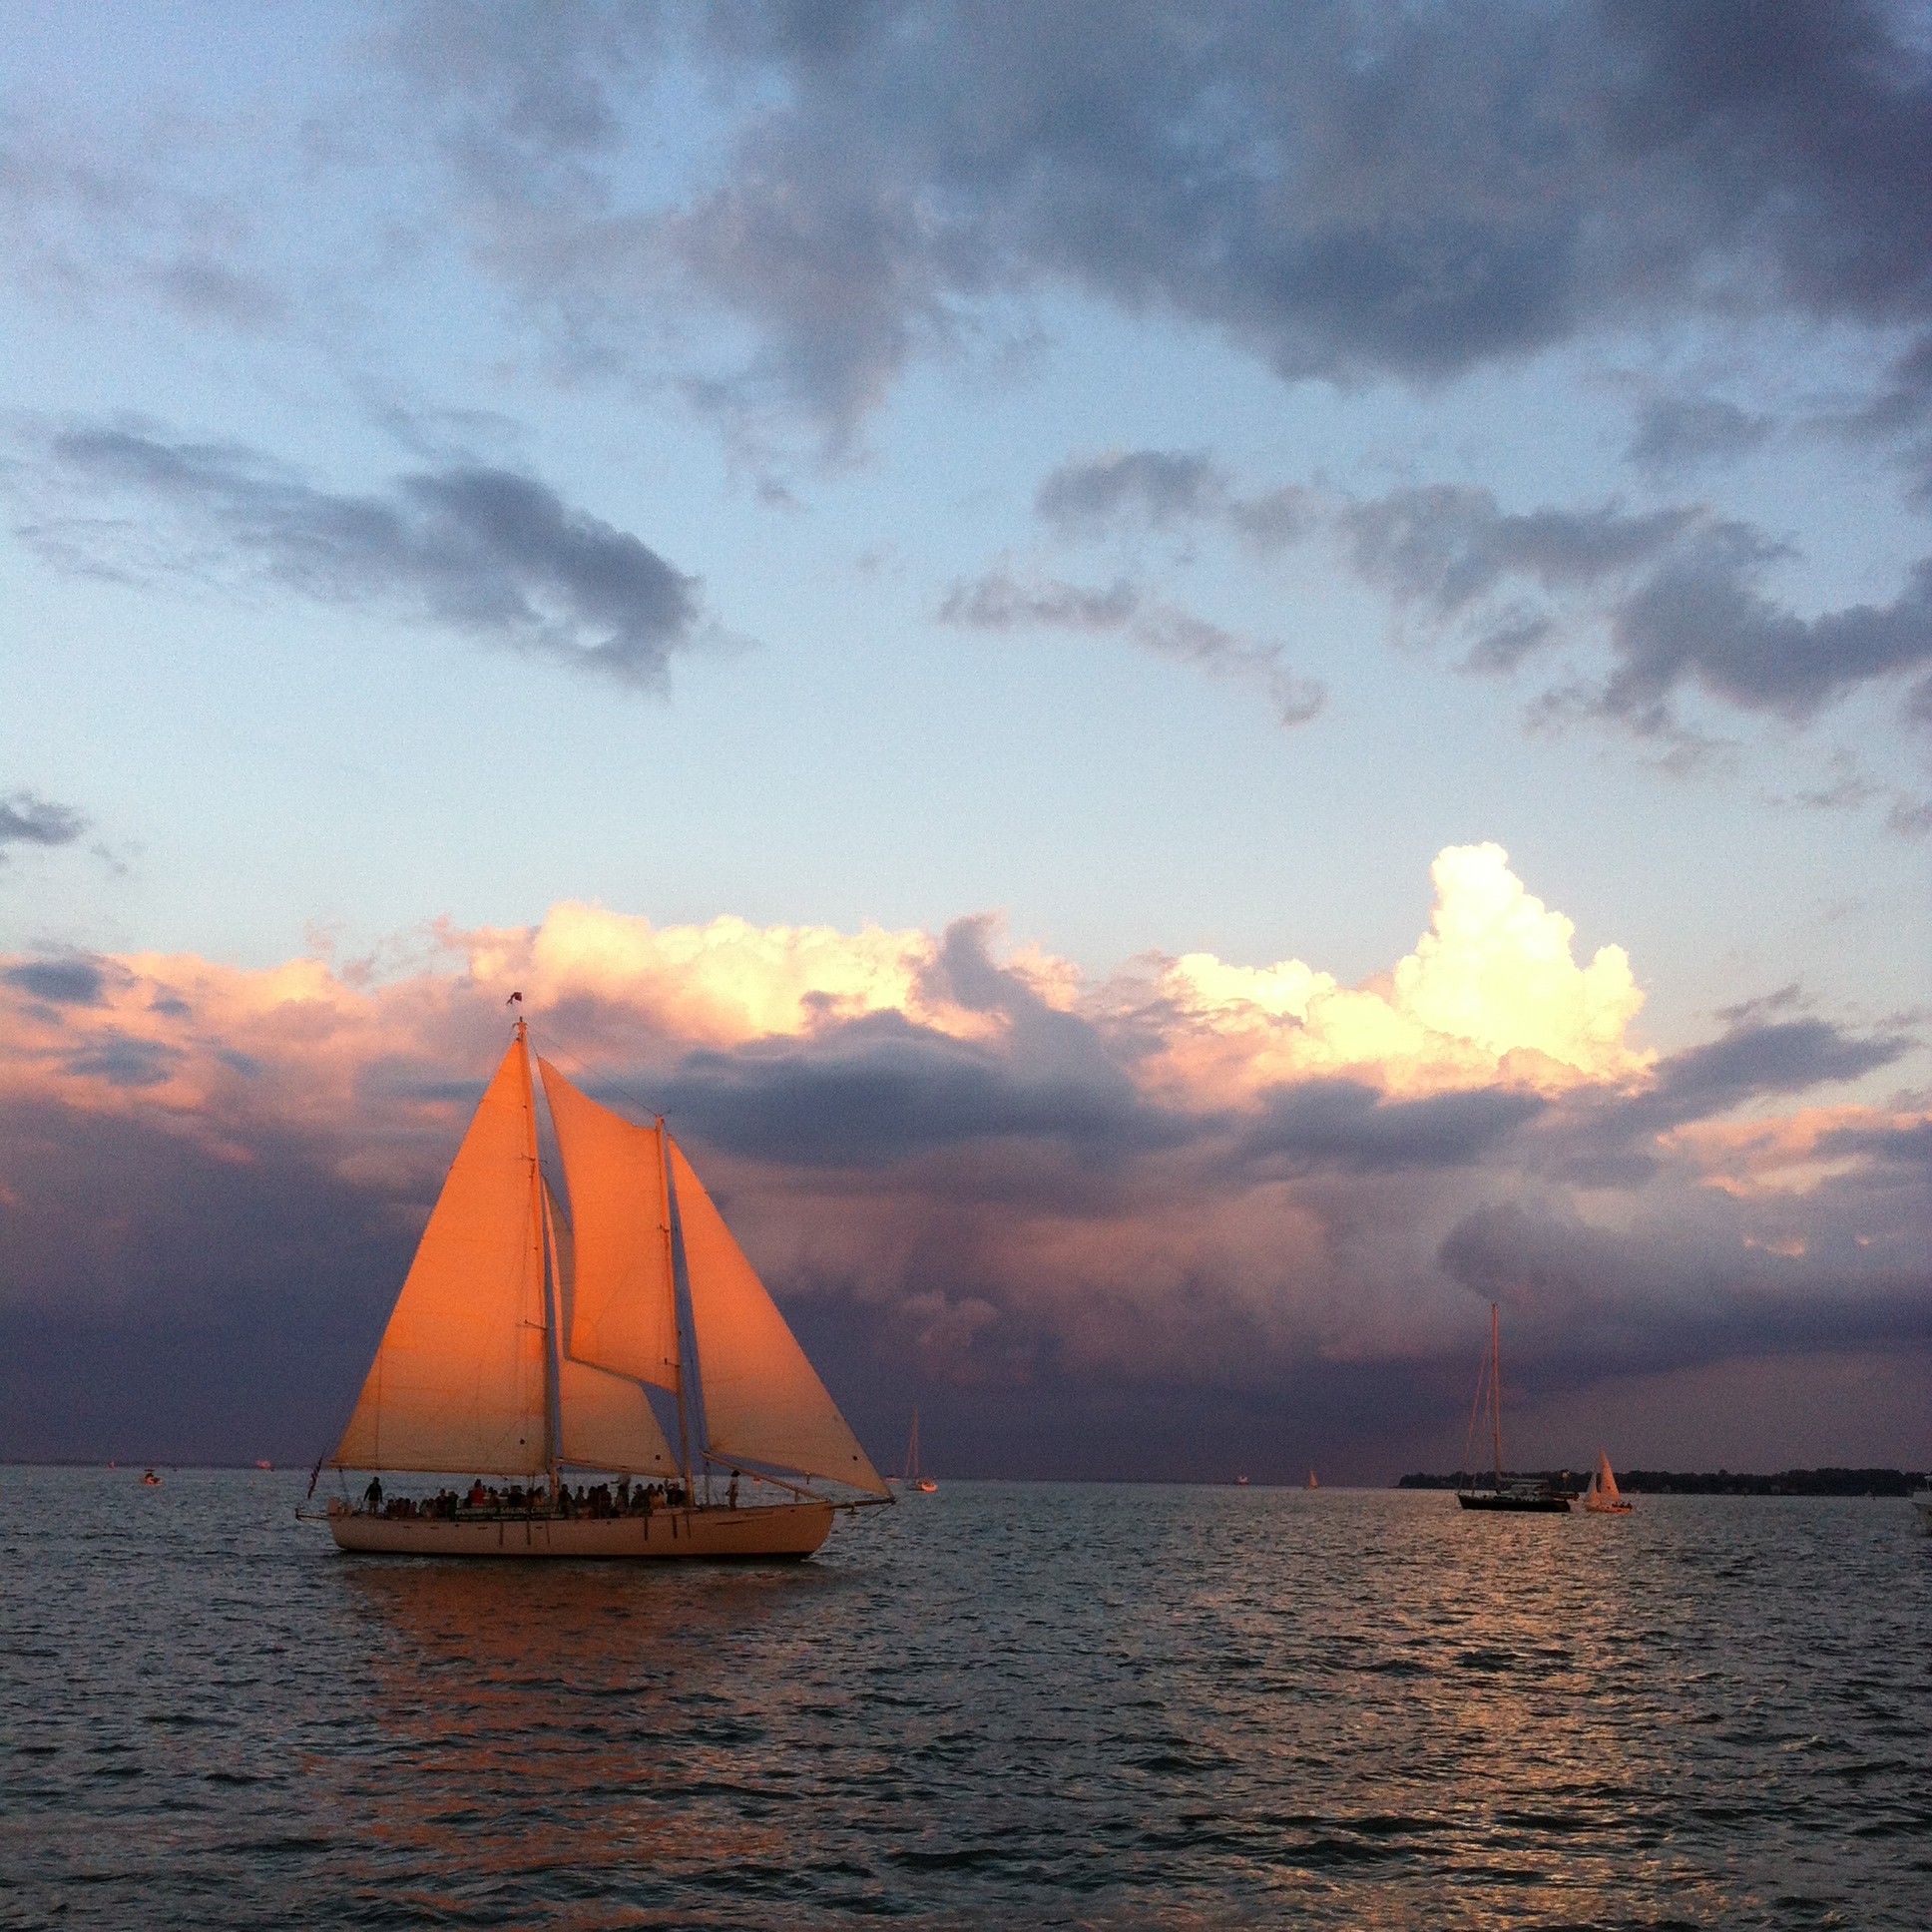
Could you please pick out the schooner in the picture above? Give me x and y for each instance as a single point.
(530, 1327)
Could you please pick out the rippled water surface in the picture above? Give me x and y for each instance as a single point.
(1003, 1704)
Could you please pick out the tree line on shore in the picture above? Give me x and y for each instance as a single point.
(1721, 1482)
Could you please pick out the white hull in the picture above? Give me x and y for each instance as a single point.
(1922, 1504)
(778, 1529)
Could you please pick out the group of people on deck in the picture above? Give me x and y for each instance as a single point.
(598, 1503)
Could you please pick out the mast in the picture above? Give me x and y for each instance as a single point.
(671, 1276)
(1495, 1389)
(553, 1353)
(540, 1214)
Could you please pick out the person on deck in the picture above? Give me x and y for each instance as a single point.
(730, 1495)
(372, 1496)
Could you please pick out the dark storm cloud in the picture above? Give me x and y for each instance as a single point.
(1343, 191)
(484, 551)
(1781, 1057)
(999, 601)
(1447, 546)
(124, 1061)
(888, 1093)
(1163, 488)
(1701, 618)
(160, 1300)
(1154, 485)
(1674, 590)
(1344, 1124)
(1632, 1304)
(1905, 1149)
(1675, 432)
(60, 982)
(27, 820)
(881, 1090)
(1609, 1141)
(1673, 593)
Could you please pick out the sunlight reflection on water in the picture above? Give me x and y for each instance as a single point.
(1024, 1704)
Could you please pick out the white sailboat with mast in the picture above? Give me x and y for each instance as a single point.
(913, 1477)
(525, 1338)
(1603, 1497)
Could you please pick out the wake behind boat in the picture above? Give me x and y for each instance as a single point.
(527, 1334)
(1524, 1496)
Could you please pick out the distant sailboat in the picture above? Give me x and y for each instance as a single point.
(1528, 1496)
(522, 1345)
(1313, 1481)
(912, 1478)
(1603, 1497)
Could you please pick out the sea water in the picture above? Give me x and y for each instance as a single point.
(1005, 1705)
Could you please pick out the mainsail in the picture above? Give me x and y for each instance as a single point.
(458, 1381)
(481, 1371)
(764, 1401)
(605, 1422)
(1605, 1481)
(622, 1316)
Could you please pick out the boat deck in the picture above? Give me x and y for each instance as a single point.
(780, 1530)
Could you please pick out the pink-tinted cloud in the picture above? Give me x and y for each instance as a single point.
(974, 1167)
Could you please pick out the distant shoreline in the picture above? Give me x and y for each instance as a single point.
(1641, 1482)
(1722, 1482)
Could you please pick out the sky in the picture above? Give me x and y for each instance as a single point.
(1196, 685)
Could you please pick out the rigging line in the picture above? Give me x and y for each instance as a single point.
(1475, 1416)
(574, 1065)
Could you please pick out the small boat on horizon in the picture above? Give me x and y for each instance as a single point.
(1603, 1497)
(530, 1331)
(1525, 1495)
(148, 1480)
(1313, 1481)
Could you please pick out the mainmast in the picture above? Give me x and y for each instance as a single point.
(1495, 1389)
(553, 1352)
(553, 1285)
(671, 1276)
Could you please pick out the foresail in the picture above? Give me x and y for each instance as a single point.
(623, 1315)
(458, 1381)
(607, 1423)
(764, 1401)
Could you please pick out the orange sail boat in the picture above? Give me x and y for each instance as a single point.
(531, 1327)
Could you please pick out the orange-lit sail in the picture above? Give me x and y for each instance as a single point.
(458, 1383)
(622, 1314)
(605, 1422)
(764, 1401)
